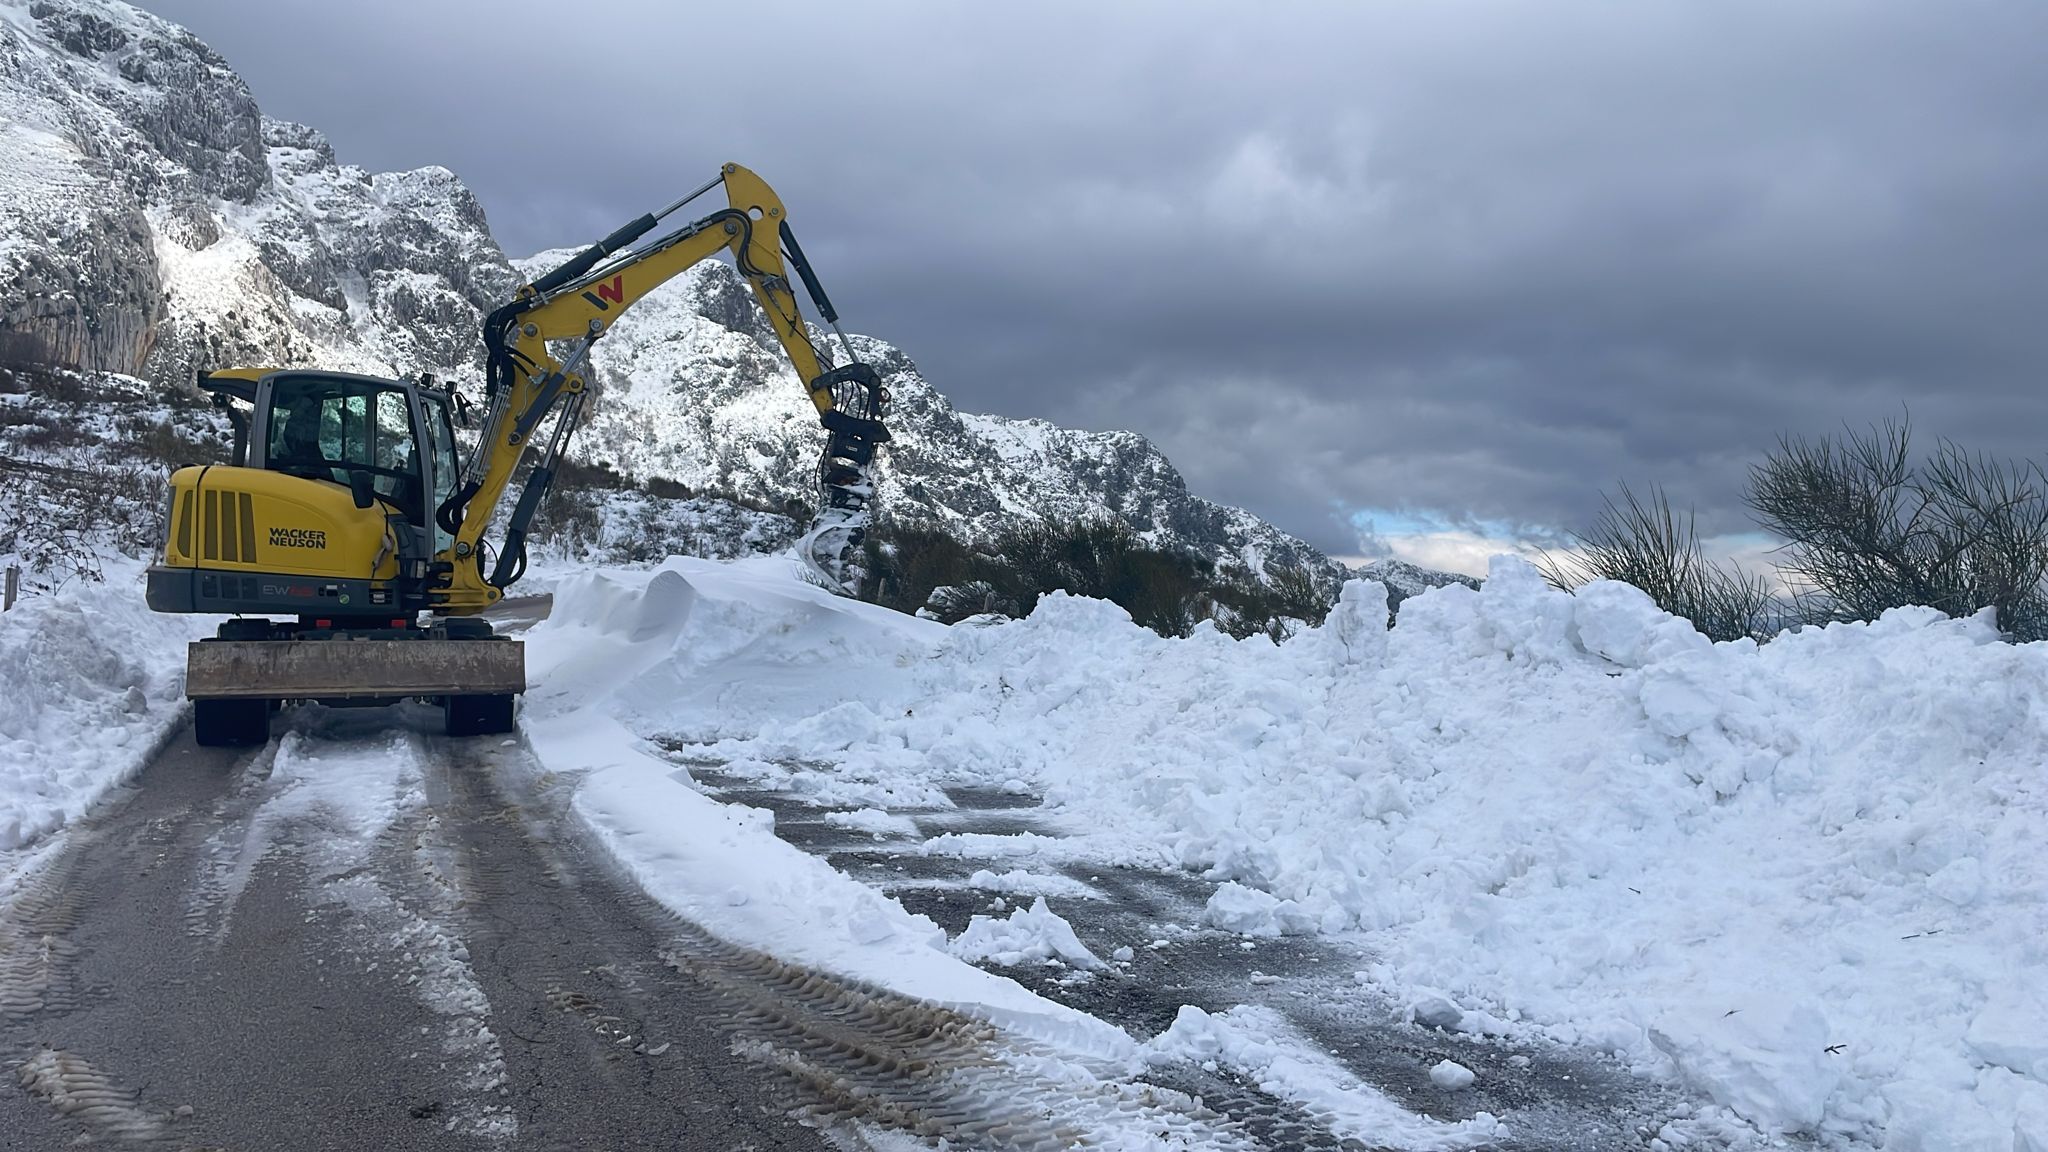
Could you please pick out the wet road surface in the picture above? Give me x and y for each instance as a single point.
(191, 973)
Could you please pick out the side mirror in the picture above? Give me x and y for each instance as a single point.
(359, 486)
(463, 419)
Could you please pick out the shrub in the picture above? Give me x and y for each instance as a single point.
(667, 489)
(1642, 542)
(920, 568)
(1869, 528)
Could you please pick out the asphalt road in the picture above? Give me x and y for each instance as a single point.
(189, 973)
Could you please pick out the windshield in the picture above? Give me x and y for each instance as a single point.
(326, 428)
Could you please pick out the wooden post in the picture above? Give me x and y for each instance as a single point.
(13, 587)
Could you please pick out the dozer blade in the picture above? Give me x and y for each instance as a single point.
(343, 669)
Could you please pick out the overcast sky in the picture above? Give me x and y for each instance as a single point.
(1443, 268)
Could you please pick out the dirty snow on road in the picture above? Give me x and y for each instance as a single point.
(1800, 882)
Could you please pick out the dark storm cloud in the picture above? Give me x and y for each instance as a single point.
(1474, 258)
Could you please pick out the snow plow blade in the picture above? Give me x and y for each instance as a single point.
(352, 669)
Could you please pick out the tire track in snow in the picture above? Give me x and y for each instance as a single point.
(35, 949)
(76, 1089)
(235, 936)
(867, 1054)
(38, 981)
(848, 1054)
(383, 858)
(605, 1046)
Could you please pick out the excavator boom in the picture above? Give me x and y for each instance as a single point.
(536, 346)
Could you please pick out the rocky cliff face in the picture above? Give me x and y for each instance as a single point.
(153, 221)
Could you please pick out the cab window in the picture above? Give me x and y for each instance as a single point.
(441, 446)
(325, 429)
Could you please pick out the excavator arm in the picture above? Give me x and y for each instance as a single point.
(538, 344)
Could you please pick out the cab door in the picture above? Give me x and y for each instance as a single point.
(443, 470)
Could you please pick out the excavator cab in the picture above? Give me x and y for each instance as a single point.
(393, 437)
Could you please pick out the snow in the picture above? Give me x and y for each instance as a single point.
(91, 685)
(1030, 935)
(1257, 1043)
(617, 639)
(1020, 882)
(1451, 1076)
(1803, 879)
(873, 821)
(1237, 908)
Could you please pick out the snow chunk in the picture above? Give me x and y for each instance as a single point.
(1356, 630)
(1620, 623)
(873, 821)
(1235, 908)
(1019, 882)
(2012, 1032)
(1451, 1076)
(1766, 1059)
(1036, 933)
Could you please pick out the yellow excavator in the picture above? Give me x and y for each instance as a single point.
(350, 513)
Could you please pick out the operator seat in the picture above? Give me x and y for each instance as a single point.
(300, 442)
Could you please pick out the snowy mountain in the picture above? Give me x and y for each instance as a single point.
(1404, 579)
(153, 221)
(696, 390)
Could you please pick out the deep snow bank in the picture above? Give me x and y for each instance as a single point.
(634, 643)
(91, 681)
(1807, 878)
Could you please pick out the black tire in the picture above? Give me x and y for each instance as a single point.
(478, 715)
(230, 723)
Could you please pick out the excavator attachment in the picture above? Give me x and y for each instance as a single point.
(829, 555)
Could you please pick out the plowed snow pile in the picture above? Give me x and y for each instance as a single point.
(91, 681)
(1806, 878)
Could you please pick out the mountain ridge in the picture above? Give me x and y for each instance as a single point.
(156, 222)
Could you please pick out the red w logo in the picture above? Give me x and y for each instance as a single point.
(614, 291)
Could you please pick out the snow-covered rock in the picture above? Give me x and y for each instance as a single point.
(154, 221)
(1403, 579)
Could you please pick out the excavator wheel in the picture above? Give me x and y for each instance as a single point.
(477, 715)
(230, 723)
